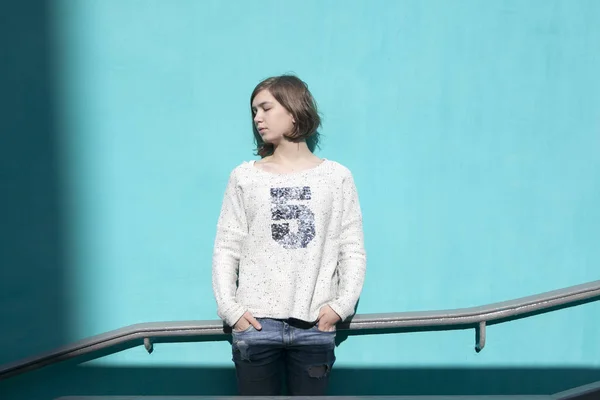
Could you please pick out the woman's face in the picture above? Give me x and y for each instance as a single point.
(271, 119)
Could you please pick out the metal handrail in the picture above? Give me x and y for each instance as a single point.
(462, 318)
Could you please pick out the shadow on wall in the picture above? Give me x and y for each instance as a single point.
(32, 262)
(69, 379)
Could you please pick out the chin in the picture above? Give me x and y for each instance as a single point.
(269, 139)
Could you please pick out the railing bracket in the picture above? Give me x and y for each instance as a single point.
(148, 345)
(480, 336)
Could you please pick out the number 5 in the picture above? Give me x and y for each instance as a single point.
(281, 210)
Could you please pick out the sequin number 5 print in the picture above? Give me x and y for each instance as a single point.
(282, 210)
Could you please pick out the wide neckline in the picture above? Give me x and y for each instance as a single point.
(304, 171)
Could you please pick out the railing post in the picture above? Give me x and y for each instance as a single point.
(480, 336)
(148, 345)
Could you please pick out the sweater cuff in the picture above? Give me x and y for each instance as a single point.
(339, 310)
(232, 315)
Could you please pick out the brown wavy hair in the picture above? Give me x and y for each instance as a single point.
(293, 94)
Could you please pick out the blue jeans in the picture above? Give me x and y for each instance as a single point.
(296, 349)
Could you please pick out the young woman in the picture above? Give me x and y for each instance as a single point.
(289, 260)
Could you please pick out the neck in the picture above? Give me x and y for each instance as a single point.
(290, 151)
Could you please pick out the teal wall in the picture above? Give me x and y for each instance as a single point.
(472, 129)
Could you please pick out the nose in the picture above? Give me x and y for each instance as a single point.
(257, 117)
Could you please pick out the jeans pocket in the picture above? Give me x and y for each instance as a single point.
(248, 329)
(316, 328)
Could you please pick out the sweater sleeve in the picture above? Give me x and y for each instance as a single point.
(352, 256)
(232, 229)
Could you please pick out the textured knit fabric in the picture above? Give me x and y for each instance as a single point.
(288, 244)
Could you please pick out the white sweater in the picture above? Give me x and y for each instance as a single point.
(292, 243)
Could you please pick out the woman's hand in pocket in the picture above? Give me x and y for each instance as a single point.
(327, 319)
(245, 321)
